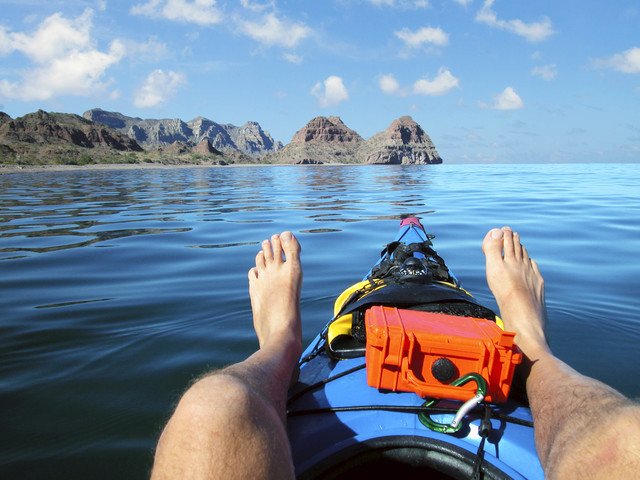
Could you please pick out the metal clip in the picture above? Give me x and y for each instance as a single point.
(465, 408)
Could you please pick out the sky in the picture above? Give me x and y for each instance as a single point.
(491, 81)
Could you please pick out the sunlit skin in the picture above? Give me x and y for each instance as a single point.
(583, 428)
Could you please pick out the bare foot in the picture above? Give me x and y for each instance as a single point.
(516, 283)
(274, 288)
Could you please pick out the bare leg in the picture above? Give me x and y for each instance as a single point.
(583, 428)
(231, 423)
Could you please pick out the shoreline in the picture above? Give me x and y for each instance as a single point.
(7, 169)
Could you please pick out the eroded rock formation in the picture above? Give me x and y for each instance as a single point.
(322, 140)
(403, 142)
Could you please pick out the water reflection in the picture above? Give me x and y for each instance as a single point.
(65, 205)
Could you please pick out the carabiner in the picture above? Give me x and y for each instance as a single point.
(465, 408)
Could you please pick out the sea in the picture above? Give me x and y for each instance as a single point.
(118, 288)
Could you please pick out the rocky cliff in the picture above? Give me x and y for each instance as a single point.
(249, 139)
(4, 118)
(63, 128)
(252, 140)
(322, 140)
(404, 142)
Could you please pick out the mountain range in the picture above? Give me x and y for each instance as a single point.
(100, 136)
(249, 139)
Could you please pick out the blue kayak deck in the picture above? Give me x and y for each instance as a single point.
(317, 436)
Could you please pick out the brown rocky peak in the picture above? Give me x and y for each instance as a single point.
(176, 148)
(205, 148)
(403, 142)
(326, 130)
(405, 130)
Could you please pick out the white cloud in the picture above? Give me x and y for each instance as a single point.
(464, 3)
(64, 56)
(257, 6)
(441, 84)
(331, 92)
(56, 36)
(546, 72)
(435, 36)
(200, 12)
(508, 99)
(389, 84)
(158, 87)
(273, 31)
(293, 58)
(533, 32)
(625, 62)
(400, 3)
(150, 51)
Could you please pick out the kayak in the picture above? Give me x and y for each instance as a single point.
(411, 377)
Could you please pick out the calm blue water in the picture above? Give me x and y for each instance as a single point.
(118, 288)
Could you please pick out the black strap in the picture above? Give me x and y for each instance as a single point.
(483, 431)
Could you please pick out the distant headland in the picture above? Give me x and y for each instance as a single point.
(99, 137)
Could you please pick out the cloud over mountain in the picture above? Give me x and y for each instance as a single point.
(64, 58)
(158, 87)
(441, 84)
(330, 92)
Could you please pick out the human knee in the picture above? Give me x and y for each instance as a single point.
(216, 396)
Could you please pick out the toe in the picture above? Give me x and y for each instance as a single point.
(260, 263)
(276, 245)
(253, 273)
(290, 246)
(492, 245)
(517, 246)
(267, 251)
(509, 253)
(536, 269)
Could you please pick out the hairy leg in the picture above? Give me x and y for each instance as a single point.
(583, 428)
(231, 423)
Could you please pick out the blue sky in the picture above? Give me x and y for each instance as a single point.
(490, 80)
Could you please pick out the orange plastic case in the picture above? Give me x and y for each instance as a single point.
(402, 346)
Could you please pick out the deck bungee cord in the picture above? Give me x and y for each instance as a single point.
(426, 408)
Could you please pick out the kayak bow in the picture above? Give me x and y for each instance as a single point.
(341, 427)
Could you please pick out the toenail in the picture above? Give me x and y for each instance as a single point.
(496, 233)
(286, 236)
